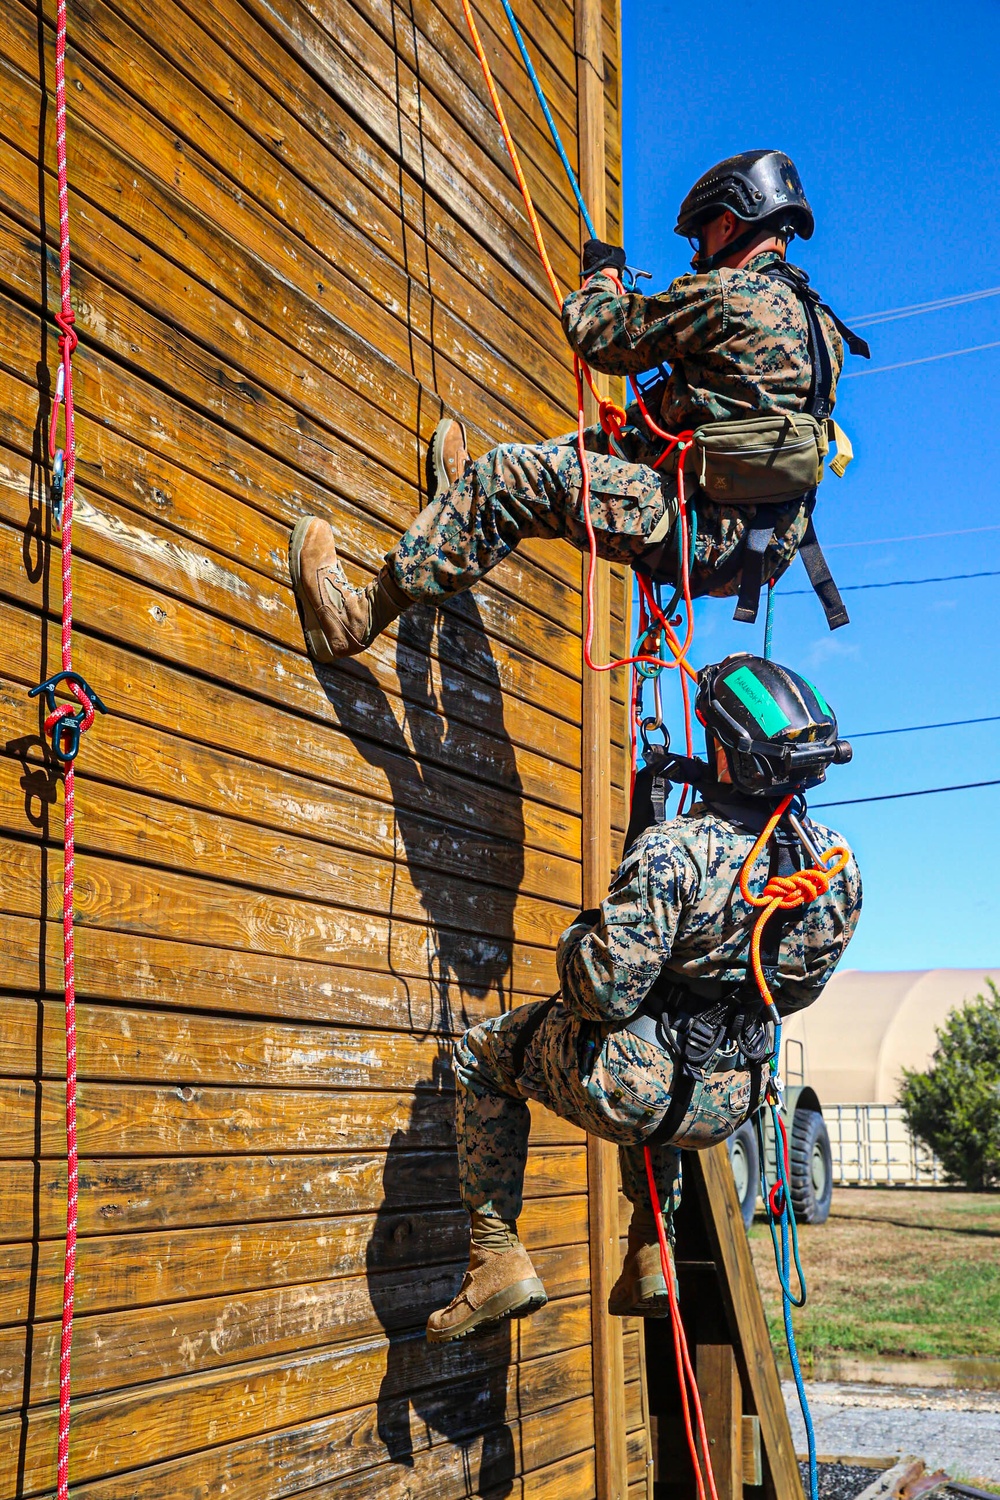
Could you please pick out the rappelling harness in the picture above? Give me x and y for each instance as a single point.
(773, 463)
(707, 1026)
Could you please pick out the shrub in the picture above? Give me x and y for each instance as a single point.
(955, 1105)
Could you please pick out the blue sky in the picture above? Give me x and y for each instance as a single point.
(892, 118)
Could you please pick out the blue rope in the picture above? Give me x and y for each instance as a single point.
(782, 1260)
(556, 138)
(769, 623)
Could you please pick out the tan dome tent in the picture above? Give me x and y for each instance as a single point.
(868, 1027)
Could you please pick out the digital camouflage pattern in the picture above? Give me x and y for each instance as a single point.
(736, 341)
(738, 345)
(519, 490)
(673, 904)
(607, 1081)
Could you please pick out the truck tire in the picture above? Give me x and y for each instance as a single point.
(812, 1167)
(745, 1162)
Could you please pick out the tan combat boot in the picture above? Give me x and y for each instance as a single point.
(337, 618)
(448, 457)
(641, 1289)
(499, 1284)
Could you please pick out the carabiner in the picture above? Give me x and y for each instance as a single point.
(67, 728)
(58, 483)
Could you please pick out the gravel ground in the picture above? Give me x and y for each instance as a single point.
(954, 1430)
(839, 1481)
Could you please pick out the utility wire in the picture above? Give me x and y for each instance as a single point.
(920, 536)
(867, 734)
(891, 314)
(927, 359)
(898, 583)
(927, 791)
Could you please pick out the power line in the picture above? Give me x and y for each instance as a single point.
(897, 583)
(928, 791)
(920, 536)
(891, 314)
(867, 734)
(927, 359)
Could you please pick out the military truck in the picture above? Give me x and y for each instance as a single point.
(811, 1161)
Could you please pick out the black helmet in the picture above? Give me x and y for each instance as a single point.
(759, 187)
(778, 732)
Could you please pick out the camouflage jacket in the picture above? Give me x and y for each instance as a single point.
(736, 342)
(675, 905)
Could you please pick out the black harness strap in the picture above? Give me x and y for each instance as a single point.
(696, 1041)
(755, 544)
(819, 575)
(818, 404)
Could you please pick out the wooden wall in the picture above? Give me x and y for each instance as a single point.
(297, 242)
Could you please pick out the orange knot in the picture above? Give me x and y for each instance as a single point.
(798, 889)
(612, 418)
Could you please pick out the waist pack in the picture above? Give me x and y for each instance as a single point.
(760, 459)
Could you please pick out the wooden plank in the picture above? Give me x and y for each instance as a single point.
(118, 1350)
(233, 851)
(327, 1455)
(197, 776)
(118, 1196)
(122, 1120)
(274, 201)
(170, 1418)
(115, 895)
(133, 1271)
(147, 692)
(753, 1465)
(602, 1170)
(722, 1403)
(717, 1193)
(546, 640)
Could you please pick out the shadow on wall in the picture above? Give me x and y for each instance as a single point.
(458, 817)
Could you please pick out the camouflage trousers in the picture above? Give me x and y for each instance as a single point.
(517, 491)
(606, 1080)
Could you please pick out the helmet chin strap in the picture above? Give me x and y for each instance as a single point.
(703, 262)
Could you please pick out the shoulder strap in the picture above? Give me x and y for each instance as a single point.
(821, 380)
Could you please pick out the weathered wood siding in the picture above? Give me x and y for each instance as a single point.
(297, 242)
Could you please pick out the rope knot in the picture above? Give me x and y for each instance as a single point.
(65, 321)
(612, 417)
(799, 888)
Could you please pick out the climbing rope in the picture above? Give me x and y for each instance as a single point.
(66, 724)
(784, 893)
(612, 417)
(612, 420)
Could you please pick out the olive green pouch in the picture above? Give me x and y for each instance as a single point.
(756, 459)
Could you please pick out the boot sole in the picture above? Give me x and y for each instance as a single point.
(439, 474)
(517, 1301)
(650, 1300)
(316, 641)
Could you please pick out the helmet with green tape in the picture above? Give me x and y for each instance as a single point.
(777, 731)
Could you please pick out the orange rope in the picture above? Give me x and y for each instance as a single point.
(612, 417)
(784, 892)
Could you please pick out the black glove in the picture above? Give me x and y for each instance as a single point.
(598, 256)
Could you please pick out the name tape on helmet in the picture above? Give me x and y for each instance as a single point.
(755, 697)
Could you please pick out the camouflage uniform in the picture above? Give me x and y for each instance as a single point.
(738, 346)
(674, 905)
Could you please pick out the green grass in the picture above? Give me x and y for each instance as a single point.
(895, 1273)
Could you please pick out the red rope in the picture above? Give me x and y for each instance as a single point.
(685, 1371)
(64, 398)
